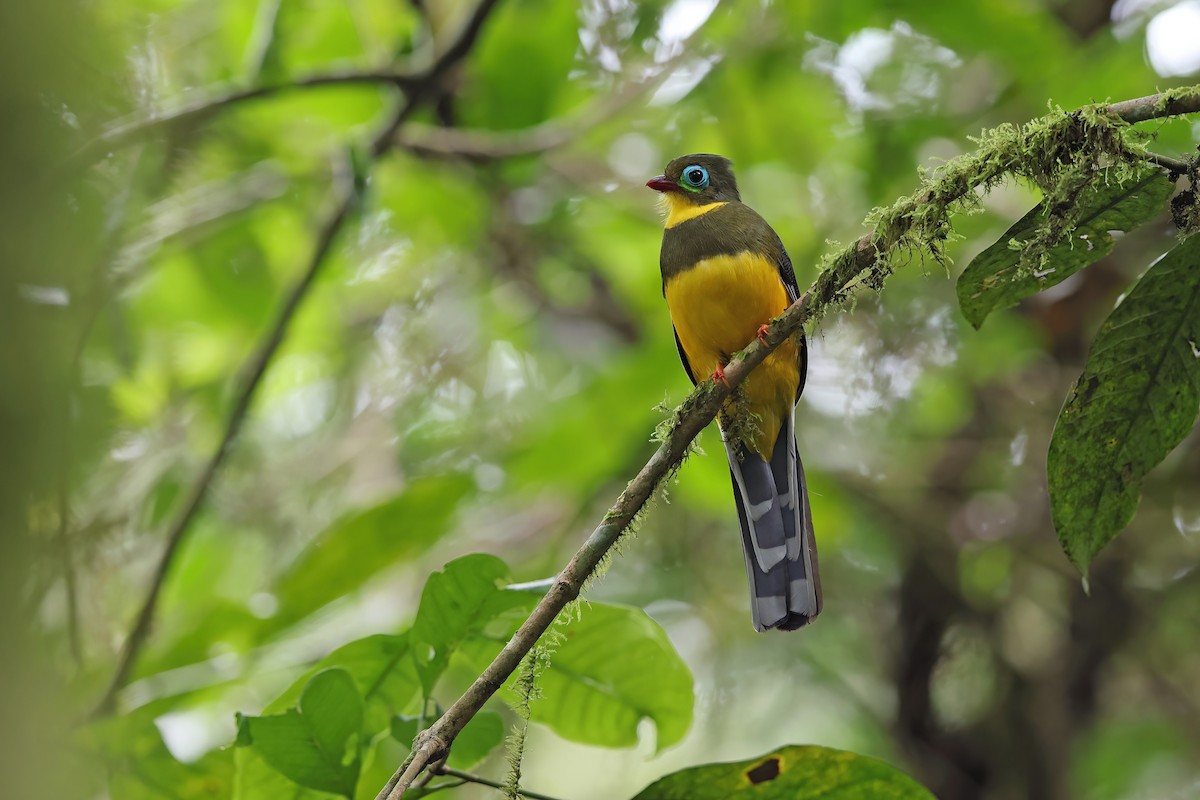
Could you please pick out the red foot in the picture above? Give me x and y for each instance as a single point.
(719, 375)
(762, 333)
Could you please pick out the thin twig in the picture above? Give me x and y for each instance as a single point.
(1173, 165)
(94, 300)
(471, 777)
(1156, 106)
(443, 786)
(424, 88)
(346, 196)
(123, 133)
(496, 145)
(344, 199)
(693, 415)
(408, 79)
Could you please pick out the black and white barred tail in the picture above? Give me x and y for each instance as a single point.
(777, 533)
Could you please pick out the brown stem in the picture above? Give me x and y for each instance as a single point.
(471, 777)
(1171, 103)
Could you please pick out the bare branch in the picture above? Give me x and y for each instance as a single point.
(691, 417)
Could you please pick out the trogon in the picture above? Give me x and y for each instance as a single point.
(725, 275)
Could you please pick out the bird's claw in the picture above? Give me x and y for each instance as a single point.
(762, 333)
(719, 375)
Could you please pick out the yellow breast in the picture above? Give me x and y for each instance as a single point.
(717, 307)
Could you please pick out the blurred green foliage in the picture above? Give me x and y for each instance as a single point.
(476, 370)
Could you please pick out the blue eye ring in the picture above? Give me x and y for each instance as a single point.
(693, 178)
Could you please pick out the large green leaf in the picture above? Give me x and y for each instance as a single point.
(796, 772)
(356, 547)
(457, 602)
(382, 672)
(614, 668)
(317, 744)
(996, 278)
(1137, 398)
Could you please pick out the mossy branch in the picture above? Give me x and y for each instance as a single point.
(1056, 152)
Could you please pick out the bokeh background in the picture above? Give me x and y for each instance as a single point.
(489, 327)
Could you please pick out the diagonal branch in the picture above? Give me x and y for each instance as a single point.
(864, 263)
(345, 199)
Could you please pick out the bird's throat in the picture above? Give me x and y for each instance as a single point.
(680, 209)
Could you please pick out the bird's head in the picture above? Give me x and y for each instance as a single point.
(697, 179)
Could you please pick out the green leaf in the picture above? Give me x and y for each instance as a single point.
(255, 779)
(614, 668)
(317, 744)
(1137, 398)
(483, 734)
(358, 546)
(455, 603)
(996, 279)
(382, 672)
(405, 729)
(796, 772)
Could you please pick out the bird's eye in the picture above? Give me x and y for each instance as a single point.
(695, 176)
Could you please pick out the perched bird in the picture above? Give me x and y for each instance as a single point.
(725, 276)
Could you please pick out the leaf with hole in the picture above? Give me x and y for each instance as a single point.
(999, 277)
(1137, 398)
(796, 772)
(317, 743)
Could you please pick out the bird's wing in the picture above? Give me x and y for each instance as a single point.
(788, 275)
(683, 357)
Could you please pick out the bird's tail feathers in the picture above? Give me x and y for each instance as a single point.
(777, 533)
